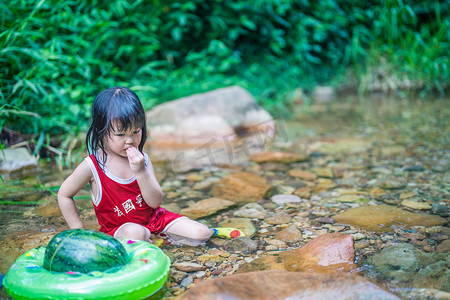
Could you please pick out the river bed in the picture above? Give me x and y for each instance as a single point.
(389, 153)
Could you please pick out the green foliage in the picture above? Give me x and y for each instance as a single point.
(57, 55)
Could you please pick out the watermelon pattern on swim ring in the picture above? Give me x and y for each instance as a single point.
(144, 273)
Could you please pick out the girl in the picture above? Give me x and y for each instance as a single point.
(125, 192)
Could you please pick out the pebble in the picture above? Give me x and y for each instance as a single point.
(416, 205)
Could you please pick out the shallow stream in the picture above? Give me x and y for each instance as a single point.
(359, 153)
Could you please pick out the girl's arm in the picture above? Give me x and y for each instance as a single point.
(150, 189)
(70, 187)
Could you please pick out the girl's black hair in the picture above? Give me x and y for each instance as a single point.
(118, 104)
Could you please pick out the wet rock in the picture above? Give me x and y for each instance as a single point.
(245, 225)
(444, 246)
(286, 285)
(439, 209)
(393, 183)
(188, 267)
(323, 185)
(326, 220)
(278, 218)
(326, 253)
(17, 160)
(403, 257)
(323, 172)
(392, 150)
(274, 166)
(323, 94)
(386, 218)
(49, 209)
(242, 243)
(176, 275)
(194, 177)
(415, 168)
(351, 198)
(336, 146)
(187, 281)
(205, 184)
(280, 157)
(416, 205)
(216, 115)
(241, 187)
(283, 199)
(250, 213)
(377, 193)
(304, 192)
(279, 190)
(289, 234)
(206, 207)
(305, 175)
(421, 294)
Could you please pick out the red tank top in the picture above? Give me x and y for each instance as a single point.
(118, 201)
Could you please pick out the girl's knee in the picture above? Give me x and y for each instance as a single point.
(201, 233)
(133, 231)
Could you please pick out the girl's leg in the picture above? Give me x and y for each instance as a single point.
(133, 231)
(189, 232)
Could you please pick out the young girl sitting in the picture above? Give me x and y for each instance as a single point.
(125, 192)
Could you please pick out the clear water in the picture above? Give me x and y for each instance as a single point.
(385, 126)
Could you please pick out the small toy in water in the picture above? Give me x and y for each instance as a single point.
(125, 269)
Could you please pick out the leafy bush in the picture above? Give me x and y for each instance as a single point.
(57, 55)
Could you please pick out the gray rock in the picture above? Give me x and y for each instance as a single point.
(283, 199)
(200, 118)
(243, 243)
(403, 257)
(17, 160)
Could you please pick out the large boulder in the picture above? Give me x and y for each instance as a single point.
(221, 114)
(287, 285)
(383, 218)
(326, 253)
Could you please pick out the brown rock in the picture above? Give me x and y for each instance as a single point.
(188, 267)
(281, 157)
(287, 285)
(377, 193)
(324, 172)
(303, 192)
(206, 207)
(47, 210)
(326, 253)
(343, 145)
(323, 185)
(385, 218)
(278, 218)
(241, 187)
(305, 175)
(289, 234)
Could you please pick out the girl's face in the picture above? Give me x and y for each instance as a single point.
(119, 141)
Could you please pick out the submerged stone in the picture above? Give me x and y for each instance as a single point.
(280, 157)
(241, 187)
(386, 218)
(326, 253)
(206, 207)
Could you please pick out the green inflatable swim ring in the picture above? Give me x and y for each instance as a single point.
(143, 275)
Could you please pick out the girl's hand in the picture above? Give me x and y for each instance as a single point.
(136, 160)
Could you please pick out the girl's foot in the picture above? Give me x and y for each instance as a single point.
(227, 233)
